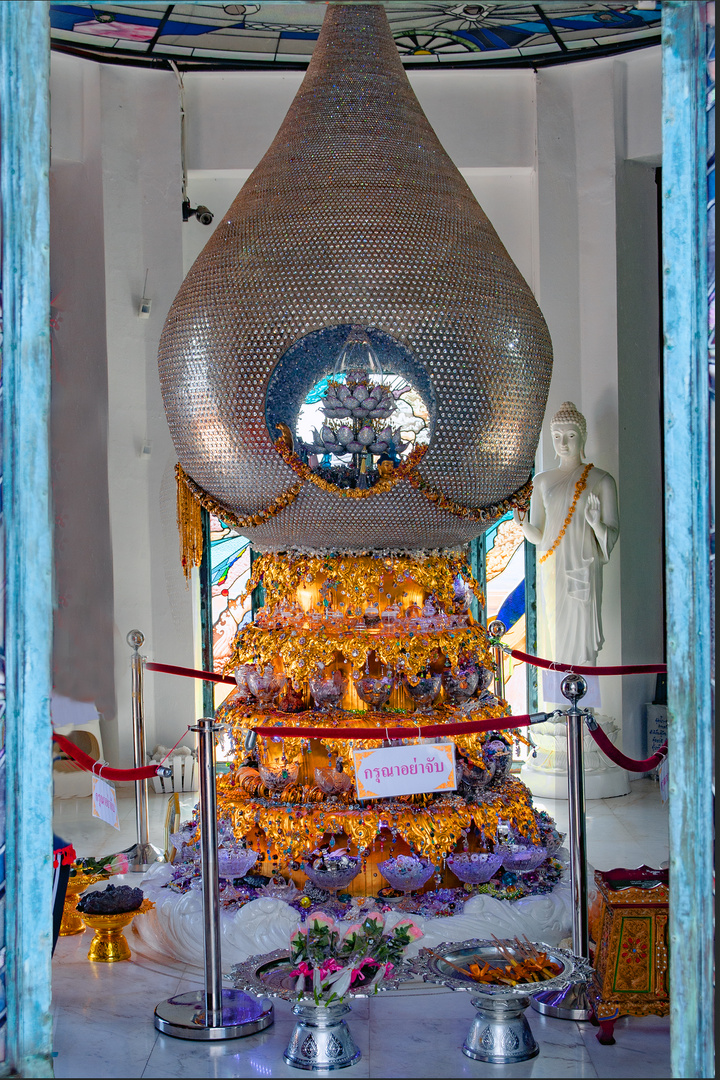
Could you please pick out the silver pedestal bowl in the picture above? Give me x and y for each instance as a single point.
(499, 1032)
(321, 1039)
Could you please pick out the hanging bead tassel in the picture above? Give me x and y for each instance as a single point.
(189, 520)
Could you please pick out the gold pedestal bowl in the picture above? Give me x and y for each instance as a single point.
(109, 943)
(72, 922)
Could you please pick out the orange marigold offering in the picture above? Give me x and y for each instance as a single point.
(525, 964)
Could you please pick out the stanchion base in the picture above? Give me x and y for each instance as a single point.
(142, 857)
(572, 1003)
(183, 1016)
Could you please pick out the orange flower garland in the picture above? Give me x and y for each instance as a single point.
(579, 488)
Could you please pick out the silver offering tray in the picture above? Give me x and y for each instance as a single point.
(500, 1032)
(269, 976)
(432, 966)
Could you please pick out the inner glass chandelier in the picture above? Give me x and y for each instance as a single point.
(367, 406)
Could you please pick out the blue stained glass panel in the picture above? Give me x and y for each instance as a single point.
(277, 34)
(229, 573)
(504, 545)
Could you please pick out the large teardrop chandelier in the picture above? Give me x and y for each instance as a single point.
(354, 362)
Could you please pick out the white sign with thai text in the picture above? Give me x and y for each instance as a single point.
(405, 770)
(104, 802)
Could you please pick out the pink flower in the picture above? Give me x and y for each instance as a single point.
(373, 924)
(320, 919)
(353, 930)
(411, 929)
(119, 864)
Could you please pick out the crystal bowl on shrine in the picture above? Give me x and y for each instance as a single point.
(333, 871)
(521, 858)
(406, 873)
(475, 867)
(235, 863)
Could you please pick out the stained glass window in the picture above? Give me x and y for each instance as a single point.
(229, 572)
(505, 584)
(212, 35)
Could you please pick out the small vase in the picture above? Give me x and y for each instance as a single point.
(72, 922)
(109, 943)
(321, 1039)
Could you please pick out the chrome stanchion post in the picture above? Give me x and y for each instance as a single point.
(498, 629)
(573, 1003)
(213, 1013)
(210, 884)
(142, 854)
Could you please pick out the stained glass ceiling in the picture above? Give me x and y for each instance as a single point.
(271, 34)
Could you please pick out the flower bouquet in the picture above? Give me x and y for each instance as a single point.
(107, 866)
(328, 963)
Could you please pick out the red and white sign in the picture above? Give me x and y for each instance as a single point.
(405, 770)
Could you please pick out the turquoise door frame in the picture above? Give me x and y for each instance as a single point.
(25, 161)
(687, 547)
(24, 66)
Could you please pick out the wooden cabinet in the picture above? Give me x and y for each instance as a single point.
(631, 957)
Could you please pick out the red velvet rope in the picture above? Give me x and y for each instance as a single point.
(537, 661)
(581, 669)
(190, 673)
(89, 764)
(632, 764)
(465, 727)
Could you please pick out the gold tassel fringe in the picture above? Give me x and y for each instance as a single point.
(189, 520)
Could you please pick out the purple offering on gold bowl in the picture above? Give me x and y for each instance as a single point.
(521, 858)
(475, 867)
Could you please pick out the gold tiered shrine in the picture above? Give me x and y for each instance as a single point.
(342, 618)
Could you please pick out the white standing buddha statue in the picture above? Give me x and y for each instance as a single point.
(574, 523)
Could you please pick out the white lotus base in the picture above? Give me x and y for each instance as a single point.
(174, 928)
(546, 774)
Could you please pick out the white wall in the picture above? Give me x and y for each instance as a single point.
(131, 205)
(547, 157)
(598, 290)
(83, 657)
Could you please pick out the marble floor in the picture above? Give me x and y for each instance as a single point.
(103, 1013)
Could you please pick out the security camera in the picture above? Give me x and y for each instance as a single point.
(202, 213)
